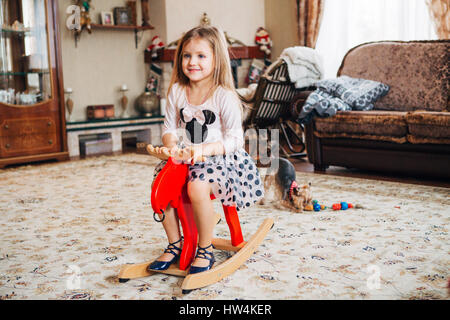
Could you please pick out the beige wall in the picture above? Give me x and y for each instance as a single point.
(102, 62)
(239, 18)
(158, 18)
(106, 59)
(280, 18)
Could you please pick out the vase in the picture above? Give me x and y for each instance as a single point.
(147, 104)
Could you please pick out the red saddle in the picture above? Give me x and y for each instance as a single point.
(170, 188)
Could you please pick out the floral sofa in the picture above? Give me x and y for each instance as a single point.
(408, 130)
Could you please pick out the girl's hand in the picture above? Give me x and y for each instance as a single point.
(196, 153)
(173, 151)
(158, 152)
(190, 154)
(180, 155)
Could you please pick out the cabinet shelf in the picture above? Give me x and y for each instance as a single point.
(23, 73)
(15, 32)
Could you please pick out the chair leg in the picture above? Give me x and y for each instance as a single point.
(299, 139)
(320, 167)
(286, 137)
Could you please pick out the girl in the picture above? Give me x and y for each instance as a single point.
(204, 109)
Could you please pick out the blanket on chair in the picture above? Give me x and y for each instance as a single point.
(305, 66)
(341, 94)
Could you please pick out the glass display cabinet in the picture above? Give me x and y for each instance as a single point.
(32, 114)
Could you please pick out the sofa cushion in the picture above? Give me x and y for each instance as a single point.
(428, 127)
(368, 125)
(417, 72)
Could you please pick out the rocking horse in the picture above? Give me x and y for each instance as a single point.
(170, 187)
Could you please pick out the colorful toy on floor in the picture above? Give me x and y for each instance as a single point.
(316, 206)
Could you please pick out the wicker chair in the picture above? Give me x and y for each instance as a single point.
(272, 109)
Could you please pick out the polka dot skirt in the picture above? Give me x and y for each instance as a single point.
(234, 178)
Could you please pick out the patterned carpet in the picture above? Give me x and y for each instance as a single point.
(66, 229)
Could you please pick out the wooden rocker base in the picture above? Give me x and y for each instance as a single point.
(217, 273)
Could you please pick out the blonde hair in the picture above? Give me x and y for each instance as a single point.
(222, 68)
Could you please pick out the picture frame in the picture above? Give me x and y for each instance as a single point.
(122, 16)
(107, 18)
(132, 5)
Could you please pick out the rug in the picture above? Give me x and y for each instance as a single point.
(66, 229)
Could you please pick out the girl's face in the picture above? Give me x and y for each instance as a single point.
(198, 60)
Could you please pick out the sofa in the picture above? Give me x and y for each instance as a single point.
(408, 130)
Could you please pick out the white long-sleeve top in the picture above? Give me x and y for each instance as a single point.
(217, 119)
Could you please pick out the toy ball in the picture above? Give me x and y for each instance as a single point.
(322, 207)
(336, 206)
(315, 202)
(344, 205)
(316, 207)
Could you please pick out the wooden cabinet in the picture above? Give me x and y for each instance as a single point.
(32, 114)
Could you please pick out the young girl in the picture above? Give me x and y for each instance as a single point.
(204, 109)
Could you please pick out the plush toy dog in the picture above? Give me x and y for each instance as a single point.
(282, 189)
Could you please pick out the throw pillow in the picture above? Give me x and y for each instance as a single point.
(360, 94)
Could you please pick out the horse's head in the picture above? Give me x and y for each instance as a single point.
(167, 186)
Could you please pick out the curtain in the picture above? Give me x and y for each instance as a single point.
(309, 16)
(348, 23)
(440, 13)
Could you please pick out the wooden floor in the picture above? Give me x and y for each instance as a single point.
(303, 165)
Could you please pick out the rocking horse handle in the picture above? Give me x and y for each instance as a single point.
(164, 154)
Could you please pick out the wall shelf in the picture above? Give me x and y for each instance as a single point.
(241, 52)
(120, 27)
(136, 29)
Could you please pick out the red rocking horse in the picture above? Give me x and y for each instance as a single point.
(170, 187)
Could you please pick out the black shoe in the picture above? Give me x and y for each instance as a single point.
(164, 265)
(201, 253)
